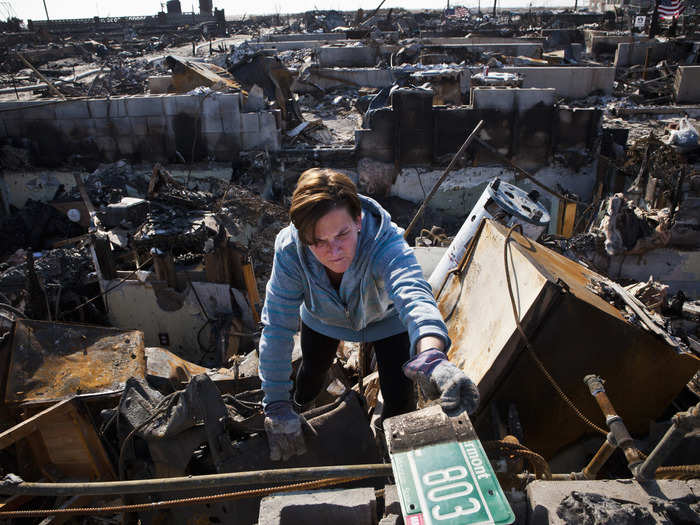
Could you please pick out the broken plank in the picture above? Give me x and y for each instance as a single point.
(31, 425)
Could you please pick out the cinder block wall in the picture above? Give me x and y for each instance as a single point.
(141, 128)
(523, 124)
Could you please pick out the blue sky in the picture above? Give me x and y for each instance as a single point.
(34, 9)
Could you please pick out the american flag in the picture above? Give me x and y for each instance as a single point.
(460, 12)
(669, 9)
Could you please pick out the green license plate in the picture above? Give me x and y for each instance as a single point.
(449, 483)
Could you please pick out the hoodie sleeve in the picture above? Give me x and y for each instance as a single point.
(412, 295)
(280, 317)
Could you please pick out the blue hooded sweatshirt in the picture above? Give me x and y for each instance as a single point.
(382, 293)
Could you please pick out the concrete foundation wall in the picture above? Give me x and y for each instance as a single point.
(459, 193)
(142, 128)
(599, 42)
(296, 44)
(328, 78)
(510, 100)
(17, 188)
(680, 270)
(511, 50)
(635, 53)
(481, 40)
(359, 56)
(569, 82)
(561, 38)
(303, 36)
(686, 86)
(135, 304)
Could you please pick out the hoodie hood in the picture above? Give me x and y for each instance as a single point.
(376, 228)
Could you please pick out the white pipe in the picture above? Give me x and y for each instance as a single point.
(513, 205)
(452, 257)
(40, 85)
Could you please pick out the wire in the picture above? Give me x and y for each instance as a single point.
(539, 464)
(122, 281)
(163, 406)
(528, 345)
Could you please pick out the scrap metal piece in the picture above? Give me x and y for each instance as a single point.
(188, 75)
(429, 426)
(54, 361)
(572, 331)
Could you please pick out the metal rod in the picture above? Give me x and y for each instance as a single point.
(52, 88)
(524, 173)
(210, 481)
(683, 422)
(442, 178)
(373, 13)
(614, 421)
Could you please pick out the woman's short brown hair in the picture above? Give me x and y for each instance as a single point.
(318, 191)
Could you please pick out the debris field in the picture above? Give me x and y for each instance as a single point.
(545, 164)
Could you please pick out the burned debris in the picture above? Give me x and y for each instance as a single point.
(544, 166)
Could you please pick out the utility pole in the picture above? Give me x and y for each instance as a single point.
(47, 12)
(654, 25)
(494, 8)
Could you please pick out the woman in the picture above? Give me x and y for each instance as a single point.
(345, 269)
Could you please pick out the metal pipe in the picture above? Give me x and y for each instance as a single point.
(57, 83)
(683, 422)
(614, 421)
(14, 485)
(606, 450)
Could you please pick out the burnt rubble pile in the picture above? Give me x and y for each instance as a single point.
(545, 164)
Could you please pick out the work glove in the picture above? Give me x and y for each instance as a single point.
(284, 430)
(438, 378)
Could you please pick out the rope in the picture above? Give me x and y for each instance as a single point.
(138, 507)
(531, 351)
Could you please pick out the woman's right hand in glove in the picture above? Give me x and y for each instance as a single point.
(284, 430)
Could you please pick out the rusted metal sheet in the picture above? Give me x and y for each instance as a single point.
(574, 333)
(163, 365)
(53, 361)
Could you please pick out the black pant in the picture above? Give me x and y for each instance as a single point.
(318, 352)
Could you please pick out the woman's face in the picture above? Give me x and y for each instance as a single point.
(335, 237)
